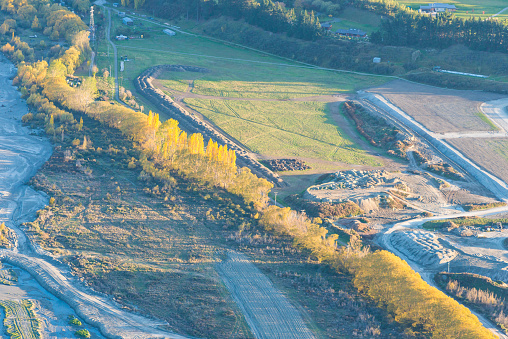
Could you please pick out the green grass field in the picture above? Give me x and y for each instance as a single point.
(352, 17)
(271, 128)
(283, 129)
(268, 83)
(465, 7)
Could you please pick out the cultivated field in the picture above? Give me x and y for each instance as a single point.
(440, 110)
(491, 154)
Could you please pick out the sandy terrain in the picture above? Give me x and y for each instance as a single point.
(484, 255)
(497, 186)
(440, 110)
(52, 311)
(423, 247)
(424, 193)
(476, 255)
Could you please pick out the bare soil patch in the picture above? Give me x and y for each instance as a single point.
(440, 110)
(491, 154)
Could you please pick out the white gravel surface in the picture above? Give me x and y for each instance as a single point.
(496, 111)
(422, 247)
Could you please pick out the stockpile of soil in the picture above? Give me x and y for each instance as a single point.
(287, 165)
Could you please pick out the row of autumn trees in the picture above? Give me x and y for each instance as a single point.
(166, 149)
(388, 280)
(54, 20)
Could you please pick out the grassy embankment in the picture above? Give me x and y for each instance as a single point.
(437, 224)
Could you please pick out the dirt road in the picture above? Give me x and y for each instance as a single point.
(267, 311)
(497, 186)
(384, 240)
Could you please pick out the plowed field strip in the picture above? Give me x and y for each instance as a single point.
(266, 309)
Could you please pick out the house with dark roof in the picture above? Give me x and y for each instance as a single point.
(351, 32)
(437, 8)
(326, 25)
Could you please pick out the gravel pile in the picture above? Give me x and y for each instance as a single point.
(354, 179)
(422, 247)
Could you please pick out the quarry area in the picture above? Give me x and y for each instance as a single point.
(402, 205)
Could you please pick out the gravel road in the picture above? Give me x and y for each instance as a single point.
(267, 311)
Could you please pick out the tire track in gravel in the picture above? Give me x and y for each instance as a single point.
(267, 311)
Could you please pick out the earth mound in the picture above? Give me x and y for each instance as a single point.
(287, 165)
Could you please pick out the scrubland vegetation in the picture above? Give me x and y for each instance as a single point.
(20, 319)
(376, 130)
(465, 221)
(485, 295)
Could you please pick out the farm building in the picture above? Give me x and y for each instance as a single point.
(169, 32)
(127, 21)
(326, 25)
(352, 32)
(437, 8)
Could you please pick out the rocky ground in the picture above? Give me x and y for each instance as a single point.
(280, 165)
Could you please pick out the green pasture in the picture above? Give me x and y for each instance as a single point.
(283, 129)
(270, 128)
(226, 63)
(269, 83)
(465, 7)
(352, 17)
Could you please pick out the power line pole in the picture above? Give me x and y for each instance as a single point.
(92, 25)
